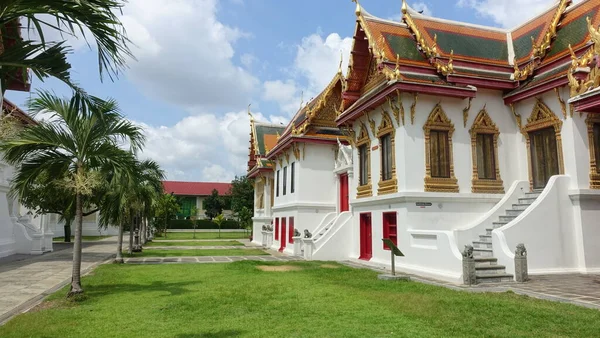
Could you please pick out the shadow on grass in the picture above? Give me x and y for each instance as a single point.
(219, 334)
(174, 289)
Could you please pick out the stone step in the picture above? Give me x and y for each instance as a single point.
(482, 245)
(527, 200)
(520, 206)
(534, 194)
(485, 238)
(488, 232)
(507, 218)
(480, 252)
(513, 212)
(485, 261)
(494, 278)
(490, 270)
(500, 224)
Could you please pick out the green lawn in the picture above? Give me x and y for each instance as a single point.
(204, 243)
(198, 252)
(204, 235)
(85, 238)
(238, 300)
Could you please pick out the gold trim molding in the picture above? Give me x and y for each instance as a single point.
(397, 109)
(466, 112)
(413, 108)
(594, 173)
(364, 139)
(483, 124)
(438, 120)
(542, 117)
(386, 127)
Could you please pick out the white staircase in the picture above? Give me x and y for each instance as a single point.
(325, 239)
(486, 265)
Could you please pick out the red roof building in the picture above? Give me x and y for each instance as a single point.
(195, 188)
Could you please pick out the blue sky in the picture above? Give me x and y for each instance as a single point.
(201, 62)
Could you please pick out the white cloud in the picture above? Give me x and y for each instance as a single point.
(317, 59)
(204, 147)
(185, 54)
(286, 94)
(508, 13)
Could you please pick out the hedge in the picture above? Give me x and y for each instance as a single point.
(201, 224)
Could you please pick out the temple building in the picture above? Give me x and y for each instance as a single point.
(443, 136)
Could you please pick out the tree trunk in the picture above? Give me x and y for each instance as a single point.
(76, 276)
(67, 230)
(131, 226)
(143, 231)
(119, 258)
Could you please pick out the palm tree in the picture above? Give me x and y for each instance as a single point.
(68, 17)
(131, 196)
(84, 137)
(219, 220)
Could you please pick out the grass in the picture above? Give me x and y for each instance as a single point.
(85, 238)
(204, 243)
(238, 300)
(198, 252)
(204, 235)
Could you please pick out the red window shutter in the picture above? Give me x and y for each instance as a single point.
(389, 228)
(276, 229)
(291, 230)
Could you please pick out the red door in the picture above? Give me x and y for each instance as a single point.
(291, 231)
(366, 241)
(283, 234)
(344, 193)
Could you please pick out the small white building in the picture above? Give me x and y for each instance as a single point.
(450, 134)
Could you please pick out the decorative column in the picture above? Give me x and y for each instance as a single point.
(267, 197)
(469, 275)
(264, 233)
(521, 274)
(297, 243)
(309, 245)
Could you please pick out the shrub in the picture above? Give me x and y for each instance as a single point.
(184, 224)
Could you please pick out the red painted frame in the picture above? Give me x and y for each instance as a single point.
(344, 193)
(276, 229)
(366, 238)
(390, 230)
(291, 230)
(283, 243)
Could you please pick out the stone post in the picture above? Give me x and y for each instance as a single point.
(297, 245)
(269, 239)
(469, 275)
(264, 233)
(521, 275)
(309, 245)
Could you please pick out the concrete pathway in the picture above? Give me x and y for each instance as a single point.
(25, 279)
(198, 247)
(578, 289)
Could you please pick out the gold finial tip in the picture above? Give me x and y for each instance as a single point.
(404, 7)
(358, 8)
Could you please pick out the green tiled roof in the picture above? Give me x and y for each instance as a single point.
(405, 47)
(540, 78)
(483, 72)
(471, 46)
(574, 33)
(523, 46)
(261, 131)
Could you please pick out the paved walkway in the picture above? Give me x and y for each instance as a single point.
(578, 289)
(25, 279)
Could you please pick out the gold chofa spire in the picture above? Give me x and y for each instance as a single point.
(341, 61)
(250, 114)
(358, 9)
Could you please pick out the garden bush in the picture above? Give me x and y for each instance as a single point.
(184, 224)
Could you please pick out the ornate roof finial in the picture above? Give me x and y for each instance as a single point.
(301, 99)
(341, 61)
(404, 7)
(358, 8)
(250, 114)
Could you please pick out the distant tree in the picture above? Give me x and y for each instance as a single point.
(242, 199)
(194, 217)
(213, 205)
(166, 208)
(219, 220)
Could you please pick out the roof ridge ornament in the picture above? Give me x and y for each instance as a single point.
(429, 51)
(542, 49)
(358, 9)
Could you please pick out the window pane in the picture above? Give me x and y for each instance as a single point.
(434, 156)
(292, 185)
(444, 154)
(284, 180)
(386, 157)
(363, 163)
(486, 167)
(439, 154)
(597, 144)
(277, 192)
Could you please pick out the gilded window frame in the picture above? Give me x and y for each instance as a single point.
(386, 127)
(594, 172)
(543, 117)
(364, 139)
(439, 121)
(483, 124)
